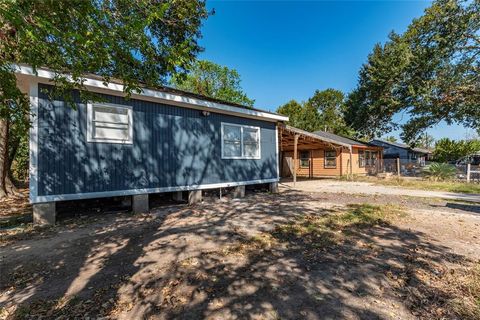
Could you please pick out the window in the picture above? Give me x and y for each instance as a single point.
(240, 142)
(109, 123)
(330, 159)
(305, 159)
(361, 159)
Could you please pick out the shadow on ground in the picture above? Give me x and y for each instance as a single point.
(200, 262)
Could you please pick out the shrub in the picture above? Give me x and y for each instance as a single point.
(440, 171)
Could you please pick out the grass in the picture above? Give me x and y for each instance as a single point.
(467, 287)
(321, 231)
(449, 186)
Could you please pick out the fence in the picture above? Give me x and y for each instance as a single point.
(472, 173)
(465, 172)
(406, 168)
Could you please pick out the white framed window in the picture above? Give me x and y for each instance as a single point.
(240, 142)
(109, 123)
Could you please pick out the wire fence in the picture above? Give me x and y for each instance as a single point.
(465, 173)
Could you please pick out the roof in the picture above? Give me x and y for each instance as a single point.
(329, 137)
(168, 93)
(402, 145)
(314, 136)
(334, 137)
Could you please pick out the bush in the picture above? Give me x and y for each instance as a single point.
(440, 171)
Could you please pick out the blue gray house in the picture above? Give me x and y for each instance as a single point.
(407, 154)
(160, 140)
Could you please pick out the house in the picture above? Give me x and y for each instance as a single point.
(158, 140)
(406, 154)
(324, 154)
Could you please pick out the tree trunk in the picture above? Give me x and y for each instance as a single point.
(7, 188)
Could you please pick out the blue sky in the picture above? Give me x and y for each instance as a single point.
(286, 50)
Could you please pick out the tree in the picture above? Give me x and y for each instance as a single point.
(323, 111)
(294, 111)
(426, 141)
(391, 139)
(330, 106)
(431, 73)
(141, 41)
(213, 80)
(451, 150)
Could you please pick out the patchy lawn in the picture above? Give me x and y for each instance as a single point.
(417, 183)
(295, 255)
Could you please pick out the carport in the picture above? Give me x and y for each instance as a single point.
(323, 154)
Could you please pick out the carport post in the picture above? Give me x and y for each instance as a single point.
(398, 167)
(295, 143)
(351, 162)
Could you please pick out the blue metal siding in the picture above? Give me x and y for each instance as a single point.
(389, 149)
(172, 147)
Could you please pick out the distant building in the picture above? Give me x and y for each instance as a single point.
(394, 150)
(324, 154)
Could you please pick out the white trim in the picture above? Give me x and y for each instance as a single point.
(259, 154)
(91, 195)
(91, 127)
(157, 95)
(277, 153)
(33, 166)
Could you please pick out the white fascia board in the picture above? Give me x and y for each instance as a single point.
(157, 95)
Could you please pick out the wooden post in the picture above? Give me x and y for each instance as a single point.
(468, 172)
(295, 144)
(398, 167)
(351, 163)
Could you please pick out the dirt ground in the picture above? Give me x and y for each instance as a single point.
(222, 260)
(361, 187)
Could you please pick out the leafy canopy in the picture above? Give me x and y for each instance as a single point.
(451, 150)
(430, 73)
(213, 80)
(140, 41)
(136, 41)
(324, 111)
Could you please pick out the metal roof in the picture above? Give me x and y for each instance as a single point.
(402, 145)
(329, 137)
(28, 70)
(341, 139)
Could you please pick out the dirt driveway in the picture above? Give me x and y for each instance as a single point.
(337, 186)
(230, 260)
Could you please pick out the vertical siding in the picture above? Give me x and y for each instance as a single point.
(172, 147)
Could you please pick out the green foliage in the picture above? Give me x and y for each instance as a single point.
(439, 171)
(426, 141)
(213, 80)
(330, 106)
(140, 41)
(451, 150)
(324, 111)
(391, 139)
(430, 72)
(294, 111)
